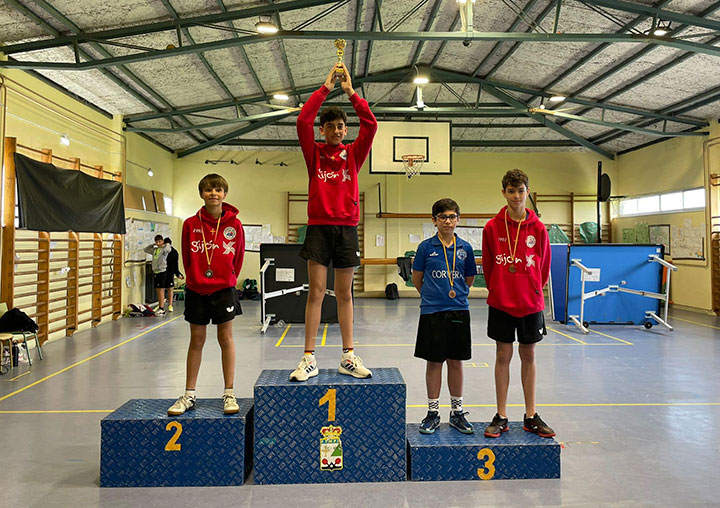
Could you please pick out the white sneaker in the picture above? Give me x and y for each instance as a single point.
(159, 312)
(230, 405)
(305, 369)
(184, 403)
(352, 365)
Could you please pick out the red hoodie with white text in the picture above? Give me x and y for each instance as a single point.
(333, 170)
(226, 243)
(519, 293)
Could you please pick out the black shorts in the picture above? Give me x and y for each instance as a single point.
(444, 336)
(338, 244)
(161, 280)
(502, 327)
(220, 306)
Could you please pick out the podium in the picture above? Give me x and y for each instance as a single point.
(449, 455)
(141, 446)
(330, 429)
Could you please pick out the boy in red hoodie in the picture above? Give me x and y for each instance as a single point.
(333, 215)
(516, 264)
(213, 246)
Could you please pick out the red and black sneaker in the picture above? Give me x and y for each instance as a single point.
(537, 426)
(497, 426)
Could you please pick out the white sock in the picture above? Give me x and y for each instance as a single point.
(229, 391)
(433, 404)
(456, 403)
(190, 393)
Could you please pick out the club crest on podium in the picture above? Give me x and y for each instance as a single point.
(331, 452)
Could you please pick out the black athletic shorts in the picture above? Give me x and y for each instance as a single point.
(338, 244)
(220, 306)
(444, 336)
(161, 280)
(502, 327)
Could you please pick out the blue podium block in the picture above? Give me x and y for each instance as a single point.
(330, 429)
(141, 446)
(449, 455)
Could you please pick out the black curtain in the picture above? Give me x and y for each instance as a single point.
(53, 199)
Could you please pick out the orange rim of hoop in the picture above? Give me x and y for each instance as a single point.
(410, 160)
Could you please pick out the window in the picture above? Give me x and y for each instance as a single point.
(690, 199)
(168, 205)
(694, 198)
(672, 201)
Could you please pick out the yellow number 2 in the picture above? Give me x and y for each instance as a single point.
(487, 471)
(173, 445)
(329, 397)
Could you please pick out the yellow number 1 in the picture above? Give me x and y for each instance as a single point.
(173, 445)
(487, 471)
(329, 397)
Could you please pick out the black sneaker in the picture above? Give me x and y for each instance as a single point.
(497, 426)
(430, 422)
(537, 426)
(457, 420)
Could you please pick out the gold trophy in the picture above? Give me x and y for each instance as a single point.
(340, 45)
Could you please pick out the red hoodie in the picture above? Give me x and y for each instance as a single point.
(520, 293)
(333, 188)
(228, 252)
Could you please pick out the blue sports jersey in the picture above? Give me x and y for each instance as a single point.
(435, 290)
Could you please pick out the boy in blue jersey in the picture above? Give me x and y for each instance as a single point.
(443, 271)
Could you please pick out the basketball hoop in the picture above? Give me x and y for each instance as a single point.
(412, 164)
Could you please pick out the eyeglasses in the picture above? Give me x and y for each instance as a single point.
(443, 217)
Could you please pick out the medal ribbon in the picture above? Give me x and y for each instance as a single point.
(450, 274)
(209, 256)
(517, 236)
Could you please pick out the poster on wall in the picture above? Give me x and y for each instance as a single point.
(688, 241)
(660, 235)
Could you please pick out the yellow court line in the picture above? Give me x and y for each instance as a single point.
(487, 345)
(324, 335)
(611, 337)
(19, 376)
(87, 359)
(59, 411)
(590, 404)
(695, 322)
(566, 335)
(277, 344)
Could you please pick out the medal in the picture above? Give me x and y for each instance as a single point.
(452, 292)
(209, 255)
(511, 248)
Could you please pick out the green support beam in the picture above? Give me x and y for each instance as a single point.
(453, 143)
(647, 10)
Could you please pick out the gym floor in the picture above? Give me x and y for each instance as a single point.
(637, 410)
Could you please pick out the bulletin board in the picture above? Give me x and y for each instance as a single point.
(139, 234)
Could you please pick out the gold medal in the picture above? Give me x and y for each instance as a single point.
(452, 292)
(209, 256)
(511, 248)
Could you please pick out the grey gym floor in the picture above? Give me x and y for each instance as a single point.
(637, 411)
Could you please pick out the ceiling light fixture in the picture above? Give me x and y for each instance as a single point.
(421, 80)
(557, 98)
(265, 27)
(150, 172)
(65, 140)
(280, 97)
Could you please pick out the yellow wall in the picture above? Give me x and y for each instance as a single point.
(260, 193)
(675, 164)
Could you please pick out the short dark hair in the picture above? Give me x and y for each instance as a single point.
(212, 181)
(158, 237)
(332, 113)
(515, 178)
(444, 204)
(168, 241)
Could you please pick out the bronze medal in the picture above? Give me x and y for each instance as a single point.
(208, 273)
(511, 269)
(452, 293)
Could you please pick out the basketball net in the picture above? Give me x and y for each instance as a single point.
(412, 164)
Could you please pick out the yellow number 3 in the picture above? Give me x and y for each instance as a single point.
(487, 471)
(173, 445)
